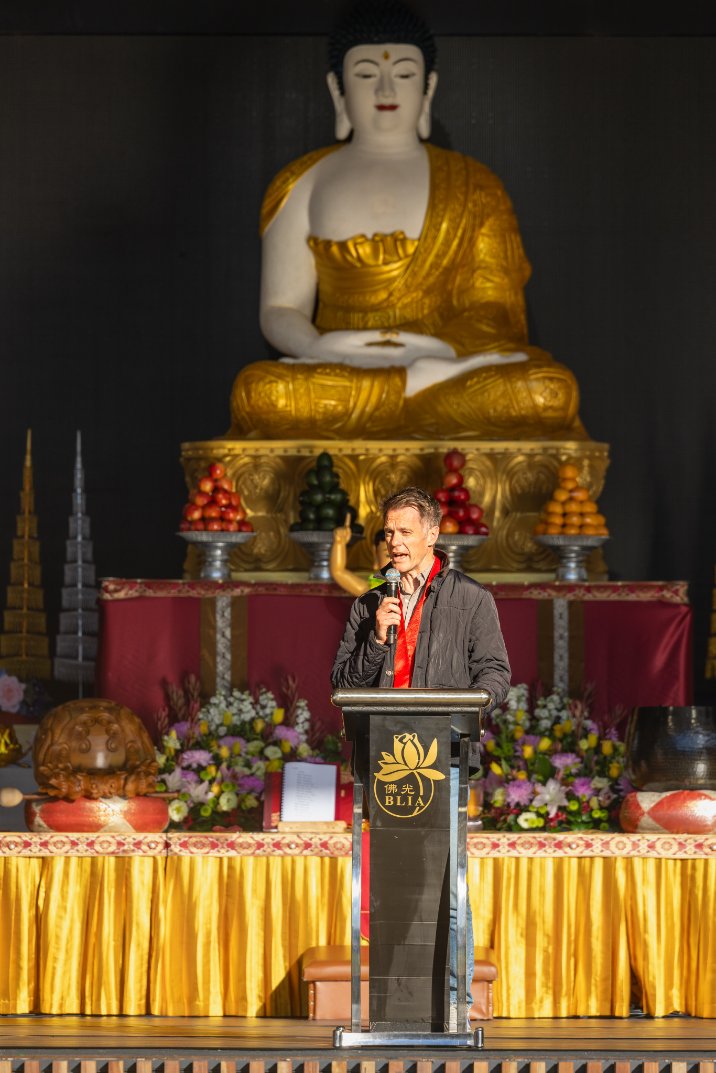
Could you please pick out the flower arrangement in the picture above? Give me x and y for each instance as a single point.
(215, 756)
(28, 699)
(548, 766)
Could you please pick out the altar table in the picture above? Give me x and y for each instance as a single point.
(632, 642)
(578, 924)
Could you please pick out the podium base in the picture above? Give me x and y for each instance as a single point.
(342, 1037)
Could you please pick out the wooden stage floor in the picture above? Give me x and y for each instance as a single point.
(64, 1044)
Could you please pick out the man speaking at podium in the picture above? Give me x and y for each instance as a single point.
(447, 636)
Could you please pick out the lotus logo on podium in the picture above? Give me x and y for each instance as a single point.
(405, 785)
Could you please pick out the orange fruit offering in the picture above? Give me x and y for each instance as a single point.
(571, 511)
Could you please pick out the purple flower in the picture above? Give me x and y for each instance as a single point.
(180, 728)
(530, 739)
(519, 792)
(196, 758)
(562, 761)
(582, 787)
(230, 740)
(189, 776)
(289, 734)
(249, 784)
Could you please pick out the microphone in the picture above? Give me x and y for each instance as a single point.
(392, 578)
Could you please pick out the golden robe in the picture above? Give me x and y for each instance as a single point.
(462, 281)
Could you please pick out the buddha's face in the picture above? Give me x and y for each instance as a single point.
(384, 88)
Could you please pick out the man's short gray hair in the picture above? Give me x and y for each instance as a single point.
(427, 507)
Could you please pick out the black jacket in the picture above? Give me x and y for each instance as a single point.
(459, 645)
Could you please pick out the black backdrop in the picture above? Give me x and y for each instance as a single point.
(132, 163)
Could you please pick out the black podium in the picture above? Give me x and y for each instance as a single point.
(403, 740)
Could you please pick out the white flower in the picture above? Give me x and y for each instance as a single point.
(527, 819)
(272, 752)
(254, 747)
(173, 781)
(227, 801)
(178, 810)
(552, 795)
(160, 757)
(304, 749)
(199, 792)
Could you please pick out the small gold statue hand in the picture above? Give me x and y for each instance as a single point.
(343, 533)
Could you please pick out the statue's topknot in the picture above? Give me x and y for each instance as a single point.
(376, 22)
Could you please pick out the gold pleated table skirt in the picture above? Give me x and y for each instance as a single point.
(207, 935)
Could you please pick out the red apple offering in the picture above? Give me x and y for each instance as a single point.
(454, 460)
(214, 506)
(459, 514)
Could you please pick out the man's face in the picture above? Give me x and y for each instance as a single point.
(384, 87)
(408, 539)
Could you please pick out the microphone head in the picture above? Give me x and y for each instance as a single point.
(392, 575)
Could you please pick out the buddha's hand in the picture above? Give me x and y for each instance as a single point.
(385, 346)
(343, 533)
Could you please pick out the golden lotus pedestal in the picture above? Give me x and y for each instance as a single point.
(511, 479)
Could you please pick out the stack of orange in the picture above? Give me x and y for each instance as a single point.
(570, 511)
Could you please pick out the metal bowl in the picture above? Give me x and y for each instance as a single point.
(214, 551)
(672, 748)
(572, 552)
(318, 543)
(457, 545)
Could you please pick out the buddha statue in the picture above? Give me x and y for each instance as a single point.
(393, 272)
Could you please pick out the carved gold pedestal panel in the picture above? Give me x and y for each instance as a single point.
(510, 479)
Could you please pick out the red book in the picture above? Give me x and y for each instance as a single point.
(272, 800)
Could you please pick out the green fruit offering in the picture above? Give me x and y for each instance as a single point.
(323, 504)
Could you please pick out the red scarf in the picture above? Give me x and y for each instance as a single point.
(408, 636)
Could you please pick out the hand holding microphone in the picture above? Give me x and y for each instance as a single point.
(392, 578)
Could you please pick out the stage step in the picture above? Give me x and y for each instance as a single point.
(351, 1062)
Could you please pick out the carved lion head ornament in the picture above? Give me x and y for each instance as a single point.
(93, 748)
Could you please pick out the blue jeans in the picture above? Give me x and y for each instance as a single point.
(454, 787)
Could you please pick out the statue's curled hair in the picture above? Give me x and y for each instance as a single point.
(377, 22)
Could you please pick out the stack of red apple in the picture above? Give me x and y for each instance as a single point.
(459, 514)
(214, 505)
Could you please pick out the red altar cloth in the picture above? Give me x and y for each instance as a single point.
(631, 641)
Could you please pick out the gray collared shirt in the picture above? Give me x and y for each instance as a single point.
(409, 600)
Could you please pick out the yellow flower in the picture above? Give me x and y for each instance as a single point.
(274, 765)
(528, 751)
(258, 725)
(227, 719)
(521, 774)
(170, 750)
(211, 770)
(607, 747)
(615, 770)
(285, 746)
(203, 727)
(224, 752)
(592, 740)
(236, 748)
(518, 732)
(519, 715)
(544, 745)
(277, 715)
(496, 769)
(567, 726)
(557, 730)
(490, 745)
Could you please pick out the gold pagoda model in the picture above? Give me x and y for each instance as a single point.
(24, 645)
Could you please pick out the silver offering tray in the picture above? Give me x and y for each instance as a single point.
(214, 551)
(572, 552)
(457, 545)
(318, 543)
